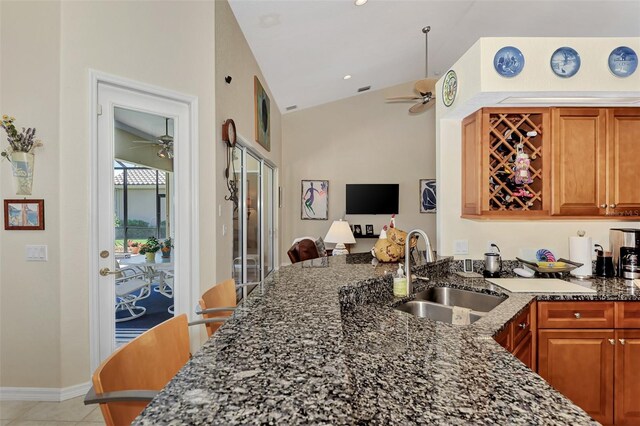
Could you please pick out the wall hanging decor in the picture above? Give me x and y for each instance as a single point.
(24, 215)
(314, 202)
(449, 88)
(427, 196)
(508, 61)
(20, 154)
(229, 137)
(262, 114)
(623, 61)
(565, 62)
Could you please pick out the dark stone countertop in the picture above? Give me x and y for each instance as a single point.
(320, 343)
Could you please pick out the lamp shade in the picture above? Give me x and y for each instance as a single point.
(340, 233)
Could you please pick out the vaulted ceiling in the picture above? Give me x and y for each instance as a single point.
(306, 47)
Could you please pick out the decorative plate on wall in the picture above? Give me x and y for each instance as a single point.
(449, 88)
(508, 61)
(623, 61)
(565, 62)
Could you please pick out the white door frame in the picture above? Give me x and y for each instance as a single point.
(187, 259)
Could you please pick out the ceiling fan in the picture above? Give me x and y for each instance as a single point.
(425, 88)
(165, 142)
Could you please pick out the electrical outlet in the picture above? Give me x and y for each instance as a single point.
(460, 246)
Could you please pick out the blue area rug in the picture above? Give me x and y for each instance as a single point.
(156, 305)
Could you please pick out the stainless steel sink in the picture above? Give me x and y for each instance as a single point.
(434, 311)
(448, 296)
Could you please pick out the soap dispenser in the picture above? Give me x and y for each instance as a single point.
(400, 283)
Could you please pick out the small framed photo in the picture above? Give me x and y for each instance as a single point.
(427, 196)
(23, 215)
(357, 231)
(314, 201)
(369, 229)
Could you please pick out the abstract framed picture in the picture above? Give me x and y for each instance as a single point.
(23, 215)
(262, 114)
(314, 200)
(427, 196)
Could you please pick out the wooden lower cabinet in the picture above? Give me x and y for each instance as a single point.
(627, 377)
(524, 351)
(579, 364)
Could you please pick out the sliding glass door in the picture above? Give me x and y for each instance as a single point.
(254, 218)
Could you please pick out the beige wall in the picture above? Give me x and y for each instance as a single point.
(235, 100)
(511, 236)
(46, 85)
(361, 139)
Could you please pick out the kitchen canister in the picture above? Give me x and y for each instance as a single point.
(580, 249)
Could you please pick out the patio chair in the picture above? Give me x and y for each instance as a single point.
(131, 377)
(131, 286)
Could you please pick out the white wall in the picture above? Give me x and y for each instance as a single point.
(361, 139)
(236, 101)
(45, 314)
(476, 79)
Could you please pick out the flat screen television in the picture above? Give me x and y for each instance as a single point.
(372, 198)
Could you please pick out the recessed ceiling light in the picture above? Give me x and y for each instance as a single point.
(360, 2)
(346, 77)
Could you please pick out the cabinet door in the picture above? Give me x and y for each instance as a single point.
(579, 162)
(524, 351)
(627, 377)
(579, 364)
(471, 159)
(623, 147)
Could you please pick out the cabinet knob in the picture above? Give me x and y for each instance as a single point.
(577, 315)
(603, 206)
(613, 206)
(621, 341)
(522, 325)
(612, 341)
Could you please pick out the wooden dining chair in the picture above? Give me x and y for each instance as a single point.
(217, 304)
(125, 382)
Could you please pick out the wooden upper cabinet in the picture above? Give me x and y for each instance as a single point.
(623, 152)
(579, 161)
(490, 140)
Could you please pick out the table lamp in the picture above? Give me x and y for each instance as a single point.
(340, 234)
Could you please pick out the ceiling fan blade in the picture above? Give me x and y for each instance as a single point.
(425, 86)
(403, 98)
(423, 106)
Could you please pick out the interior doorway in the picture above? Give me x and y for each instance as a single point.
(143, 193)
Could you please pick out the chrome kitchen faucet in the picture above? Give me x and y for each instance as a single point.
(429, 255)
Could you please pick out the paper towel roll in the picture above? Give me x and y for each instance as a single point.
(580, 249)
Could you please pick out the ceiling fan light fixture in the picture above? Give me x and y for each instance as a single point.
(360, 2)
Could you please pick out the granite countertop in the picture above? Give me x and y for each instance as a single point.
(320, 343)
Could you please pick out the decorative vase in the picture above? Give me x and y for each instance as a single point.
(134, 250)
(22, 164)
(166, 253)
(151, 257)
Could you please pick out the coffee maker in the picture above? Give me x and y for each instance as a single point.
(625, 246)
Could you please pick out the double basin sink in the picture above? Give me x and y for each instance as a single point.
(437, 303)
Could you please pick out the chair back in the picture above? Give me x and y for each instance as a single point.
(303, 250)
(222, 295)
(148, 362)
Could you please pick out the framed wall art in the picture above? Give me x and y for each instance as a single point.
(262, 114)
(314, 200)
(23, 215)
(427, 196)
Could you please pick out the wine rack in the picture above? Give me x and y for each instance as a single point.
(506, 130)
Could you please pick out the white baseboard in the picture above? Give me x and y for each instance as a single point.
(43, 394)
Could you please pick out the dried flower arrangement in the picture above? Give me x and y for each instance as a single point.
(24, 141)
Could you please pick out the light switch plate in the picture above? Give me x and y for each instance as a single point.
(460, 246)
(36, 253)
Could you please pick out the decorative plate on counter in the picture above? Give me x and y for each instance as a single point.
(449, 88)
(565, 62)
(623, 61)
(508, 61)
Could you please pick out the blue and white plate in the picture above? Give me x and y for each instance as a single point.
(623, 61)
(508, 61)
(565, 62)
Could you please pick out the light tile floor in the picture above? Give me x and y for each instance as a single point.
(65, 413)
